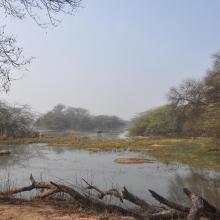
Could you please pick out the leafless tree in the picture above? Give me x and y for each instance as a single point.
(43, 12)
(11, 57)
(190, 92)
(35, 9)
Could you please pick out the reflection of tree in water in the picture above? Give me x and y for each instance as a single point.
(206, 184)
(20, 154)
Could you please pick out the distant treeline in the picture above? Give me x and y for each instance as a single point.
(78, 119)
(193, 109)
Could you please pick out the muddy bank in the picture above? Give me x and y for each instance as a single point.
(49, 210)
(4, 152)
(132, 160)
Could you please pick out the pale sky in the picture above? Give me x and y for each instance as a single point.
(116, 57)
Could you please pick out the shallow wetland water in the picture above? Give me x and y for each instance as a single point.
(68, 165)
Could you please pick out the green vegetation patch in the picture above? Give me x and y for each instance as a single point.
(201, 152)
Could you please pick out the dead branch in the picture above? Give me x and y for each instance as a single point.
(111, 192)
(136, 200)
(34, 185)
(200, 206)
(169, 203)
(87, 201)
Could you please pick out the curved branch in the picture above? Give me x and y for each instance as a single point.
(169, 203)
(32, 8)
(11, 58)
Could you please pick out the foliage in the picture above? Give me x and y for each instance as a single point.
(210, 121)
(78, 119)
(193, 110)
(212, 81)
(199, 152)
(159, 121)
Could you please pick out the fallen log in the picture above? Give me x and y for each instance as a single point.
(136, 200)
(125, 194)
(34, 185)
(169, 203)
(111, 192)
(87, 201)
(200, 207)
(84, 200)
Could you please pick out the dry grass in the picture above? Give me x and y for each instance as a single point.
(50, 210)
(201, 152)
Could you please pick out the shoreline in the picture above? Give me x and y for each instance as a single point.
(198, 152)
(50, 209)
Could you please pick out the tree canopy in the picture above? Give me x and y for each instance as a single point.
(78, 119)
(158, 121)
(193, 109)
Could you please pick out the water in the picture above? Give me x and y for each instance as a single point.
(70, 165)
(90, 134)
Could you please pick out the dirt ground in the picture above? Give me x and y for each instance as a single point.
(47, 210)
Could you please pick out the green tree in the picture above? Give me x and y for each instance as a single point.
(193, 110)
(210, 121)
(212, 82)
(78, 119)
(159, 121)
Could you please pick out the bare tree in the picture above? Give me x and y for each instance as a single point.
(20, 9)
(189, 101)
(15, 121)
(190, 92)
(11, 57)
(43, 12)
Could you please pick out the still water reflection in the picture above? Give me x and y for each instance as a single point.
(69, 165)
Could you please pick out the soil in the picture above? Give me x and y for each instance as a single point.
(131, 160)
(4, 152)
(49, 210)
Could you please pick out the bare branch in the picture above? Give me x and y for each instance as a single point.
(21, 9)
(11, 58)
(111, 192)
(169, 203)
(200, 207)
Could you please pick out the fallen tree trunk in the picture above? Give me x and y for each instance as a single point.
(200, 206)
(169, 203)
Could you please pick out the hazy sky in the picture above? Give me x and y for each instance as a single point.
(116, 57)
